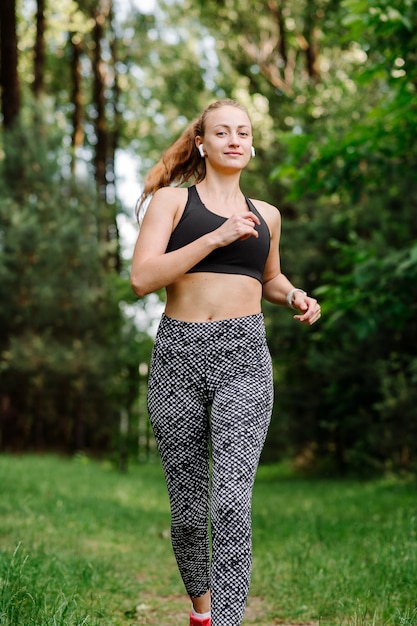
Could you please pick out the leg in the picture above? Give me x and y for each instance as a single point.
(180, 423)
(203, 603)
(240, 418)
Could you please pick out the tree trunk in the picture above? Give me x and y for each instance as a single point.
(100, 74)
(76, 99)
(114, 142)
(276, 11)
(9, 80)
(310, 37)
(39, 51)
(106, 138)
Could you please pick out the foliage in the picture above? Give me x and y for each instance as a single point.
(330, 87)
(356, 167)
(63, 338)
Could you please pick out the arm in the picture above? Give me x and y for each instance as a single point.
(152, 267)
(276, 286)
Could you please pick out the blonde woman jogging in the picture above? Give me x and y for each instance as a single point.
(210, 395)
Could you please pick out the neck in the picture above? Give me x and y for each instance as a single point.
(221, 187)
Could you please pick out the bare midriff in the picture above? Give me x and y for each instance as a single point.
(209, 297)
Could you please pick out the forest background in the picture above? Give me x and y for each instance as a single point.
(93, 89)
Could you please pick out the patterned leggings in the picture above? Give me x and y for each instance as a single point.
(210, 389)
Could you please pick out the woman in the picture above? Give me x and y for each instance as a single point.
(210, 387)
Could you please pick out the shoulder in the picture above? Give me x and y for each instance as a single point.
(269, 212)
(170, 195)
(161, 217)
(162, 212)
(167, 201)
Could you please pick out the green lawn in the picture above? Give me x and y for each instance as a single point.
(81, 544)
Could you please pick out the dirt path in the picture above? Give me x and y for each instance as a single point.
(172, 611)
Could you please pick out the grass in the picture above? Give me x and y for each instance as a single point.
(82, 544)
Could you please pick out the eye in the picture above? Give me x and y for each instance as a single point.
(221, 133)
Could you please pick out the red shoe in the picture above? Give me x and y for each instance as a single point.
(199, 621)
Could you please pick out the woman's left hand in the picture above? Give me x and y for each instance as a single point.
(309, 308)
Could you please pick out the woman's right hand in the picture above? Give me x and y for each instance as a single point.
(238, 226)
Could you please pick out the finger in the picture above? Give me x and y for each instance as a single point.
(253, 234)
(309, 317)
(251, 216)
(309, 321)
(249, 222)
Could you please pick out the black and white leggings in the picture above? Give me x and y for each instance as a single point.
(210, 390)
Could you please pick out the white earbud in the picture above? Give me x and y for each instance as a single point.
(252, 151)
(201, 150)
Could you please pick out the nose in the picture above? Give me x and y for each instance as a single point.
(234, 139)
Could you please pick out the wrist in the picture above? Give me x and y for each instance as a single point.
(290, 296)
(212, 241)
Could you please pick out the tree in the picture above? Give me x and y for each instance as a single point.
(39, 51)
(330, 87)
(76, 98)
(101, 14)
(63, 336)
(356, 168)
(9, 80)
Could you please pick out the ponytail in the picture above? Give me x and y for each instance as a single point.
(181, 161)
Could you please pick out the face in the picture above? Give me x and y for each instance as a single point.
(227, 137)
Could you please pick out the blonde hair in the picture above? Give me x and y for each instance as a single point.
(181, 161)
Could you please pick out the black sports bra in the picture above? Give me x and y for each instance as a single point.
(247, 257)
